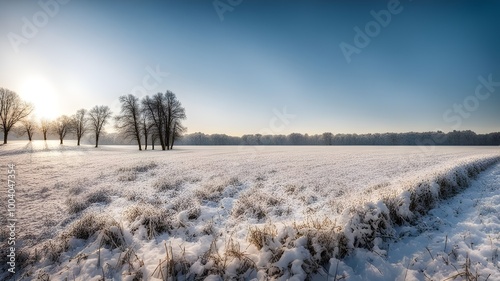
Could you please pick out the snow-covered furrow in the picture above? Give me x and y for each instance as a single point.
(457, 240)
(301, 250)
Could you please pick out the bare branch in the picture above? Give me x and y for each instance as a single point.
(12, 110)
(99, 117)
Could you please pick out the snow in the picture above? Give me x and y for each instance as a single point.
(464, 229)
(209, 198)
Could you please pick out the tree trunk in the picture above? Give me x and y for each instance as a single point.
(61, 140)
(159, 135)
(5, 133)
(162, 142)
(139, 141)
(167, 137)
(145, 141)
(78, 141)
(96, 140)
(44, 136)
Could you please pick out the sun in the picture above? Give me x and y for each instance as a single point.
(40, 92)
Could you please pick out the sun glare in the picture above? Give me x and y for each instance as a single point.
(39, 91)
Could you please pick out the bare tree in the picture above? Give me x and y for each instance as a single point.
(28, 127)
(154, 110)
(154, 137)
(146, 126)
(44, 127)
(99, 116)
(80, 124)
(175, 113)
(12, 110)
(128, 122)
(62, 126)
(165, 112)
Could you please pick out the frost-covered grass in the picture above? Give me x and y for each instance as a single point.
(228, 212)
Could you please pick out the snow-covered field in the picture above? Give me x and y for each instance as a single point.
(323, 213)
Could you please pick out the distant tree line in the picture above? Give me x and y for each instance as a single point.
(156, 119)
(411, 138)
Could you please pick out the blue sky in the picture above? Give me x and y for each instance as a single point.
(232, 74)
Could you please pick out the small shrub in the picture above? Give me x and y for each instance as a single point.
(133, 195)
(248, 206)
(234, 252)
(42, 276)
(399, 208)
(89, 225)
(447, 187)
(260, 237)
(214, 191)
(130, 173)
(462, 179)
(144, 167)
(324, 239)
(86, 226)
(60, 185)
(215, 263)
(98, 196)
(187, 203)
(78, 204)
(129, 176)
(171, 267)
(165, 184)
(75, 190)
(290, 189)
(112, 235)
(194, 213)
(377, 187)
(210, 193)
(139, 168)
(257, 204)
(75, 205)
(155, 220)
(369, 223)
(422, 198)
(53, 249)
(260, 178)
(234, 181)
